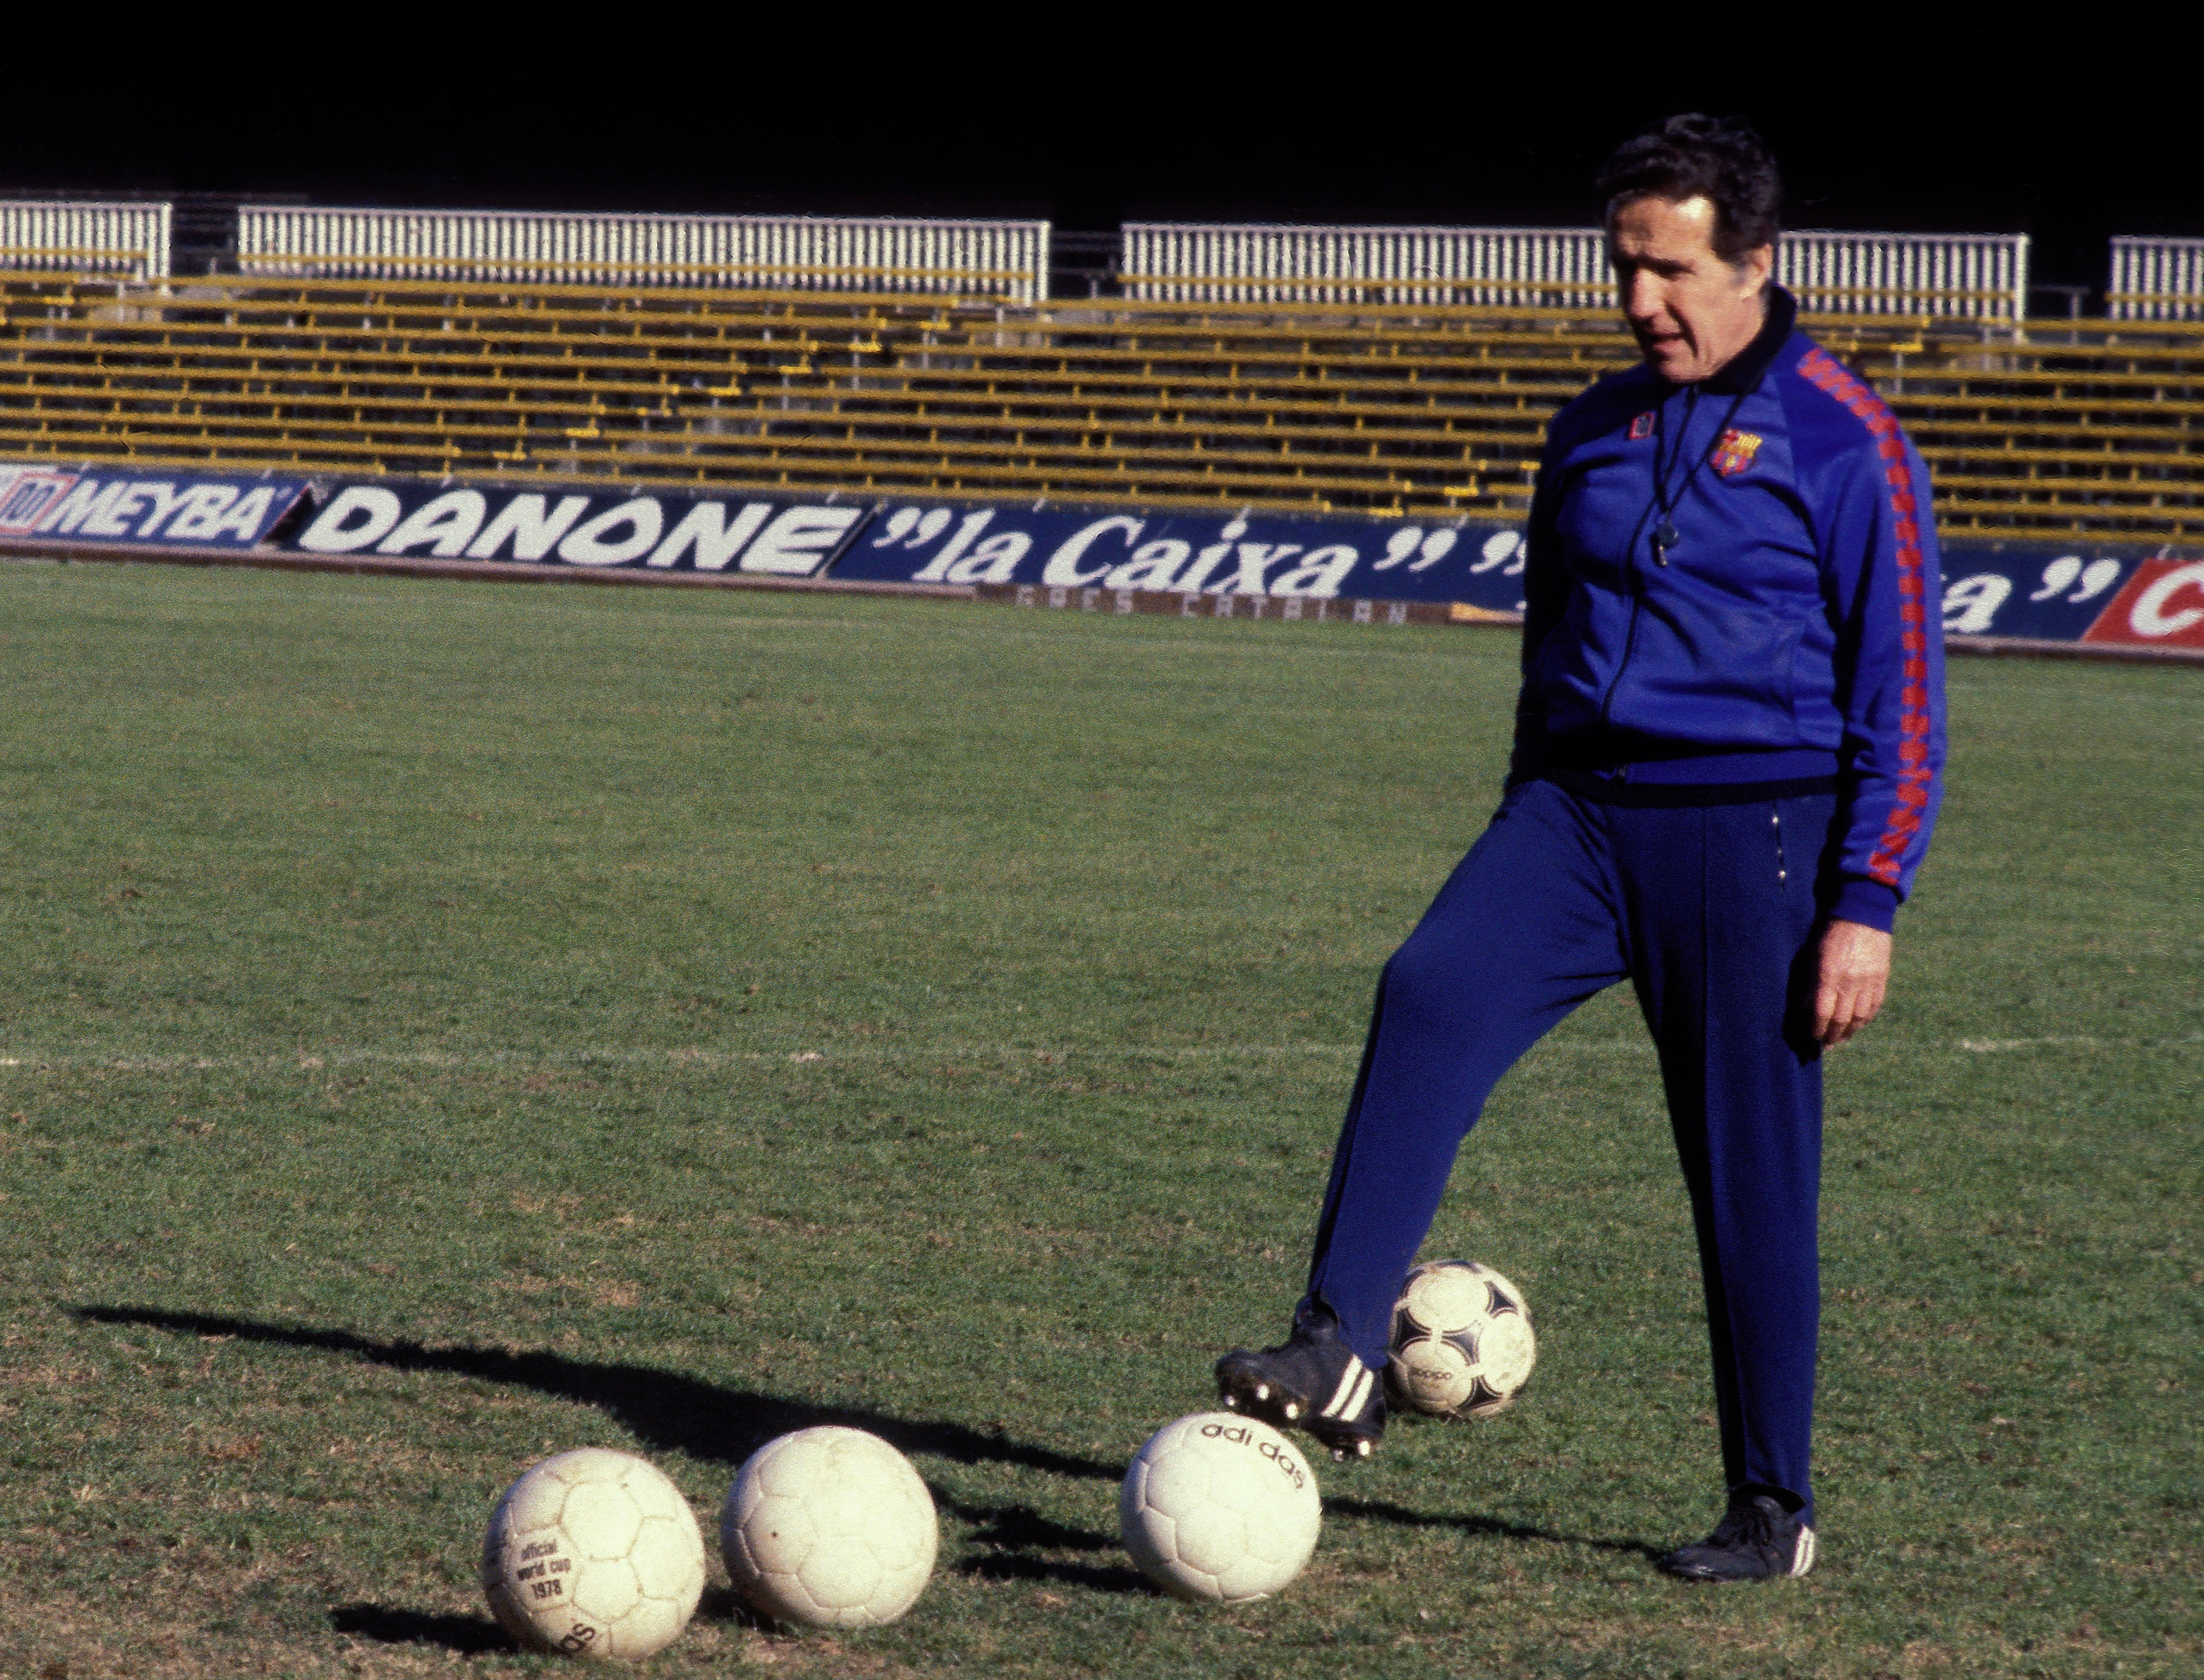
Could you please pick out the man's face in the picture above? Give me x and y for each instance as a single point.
(1690, 310)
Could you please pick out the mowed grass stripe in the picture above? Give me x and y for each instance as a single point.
(408, 984)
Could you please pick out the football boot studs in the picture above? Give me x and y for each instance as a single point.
(1312, 1381)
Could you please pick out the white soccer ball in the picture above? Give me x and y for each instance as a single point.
(1219, 1509)
(1462, 1345)
(594, 1553)
(829, 1527)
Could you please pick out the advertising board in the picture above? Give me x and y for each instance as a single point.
(2161, 605)
(2071, 590)
(109, 505)
(2074, 590)
(2078, 591)
(1278, 555)
(593, 528)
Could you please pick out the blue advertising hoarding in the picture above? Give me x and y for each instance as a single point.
(123, 506)
(590, 527)
(1278, 555)
(2054, 589)
(2109, 593)
(2057, 591)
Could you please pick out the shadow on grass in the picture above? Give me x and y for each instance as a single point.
(1383, 1511)
(670, 1412)
(724, 1603)
(1015, 1538)
(470, 1635)
(665, 1409)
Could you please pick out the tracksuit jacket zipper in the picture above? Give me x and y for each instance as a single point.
(1636, 578)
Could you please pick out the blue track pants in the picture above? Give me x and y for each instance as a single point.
(1709, 910)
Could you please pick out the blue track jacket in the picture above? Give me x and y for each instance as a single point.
(1731, 584)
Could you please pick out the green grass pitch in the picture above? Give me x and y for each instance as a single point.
(445, 1023)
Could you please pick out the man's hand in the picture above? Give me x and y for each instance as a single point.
(1854, 974)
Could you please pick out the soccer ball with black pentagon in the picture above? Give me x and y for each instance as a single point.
(594, 1553)
(1461, 1344)
(1219, 1508)
(830, 1527)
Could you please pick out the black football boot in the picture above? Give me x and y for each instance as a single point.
(1757, 1541)
(1311, 1381)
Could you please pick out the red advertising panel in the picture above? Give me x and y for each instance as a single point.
(2162, 605)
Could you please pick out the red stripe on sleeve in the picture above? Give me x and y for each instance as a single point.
(1886, 861)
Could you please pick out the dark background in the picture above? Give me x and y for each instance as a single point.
(1902, 121)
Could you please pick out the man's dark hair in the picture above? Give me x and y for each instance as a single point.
(1718, 158)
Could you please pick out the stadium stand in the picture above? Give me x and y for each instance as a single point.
(1417, 409)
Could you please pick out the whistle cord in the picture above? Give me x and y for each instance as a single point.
(1665, 535)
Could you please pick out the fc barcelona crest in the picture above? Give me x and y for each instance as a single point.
(1734, 451)
(1642, 426)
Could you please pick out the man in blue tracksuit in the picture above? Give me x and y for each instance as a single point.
(1728, 757)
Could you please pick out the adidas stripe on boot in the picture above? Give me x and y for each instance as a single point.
(1312, 1381)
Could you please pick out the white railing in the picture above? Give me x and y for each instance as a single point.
(1258, 264)
(1564, 267)
(1006, 260)
(1978, 276)
(82, 237)
(2156, 280)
